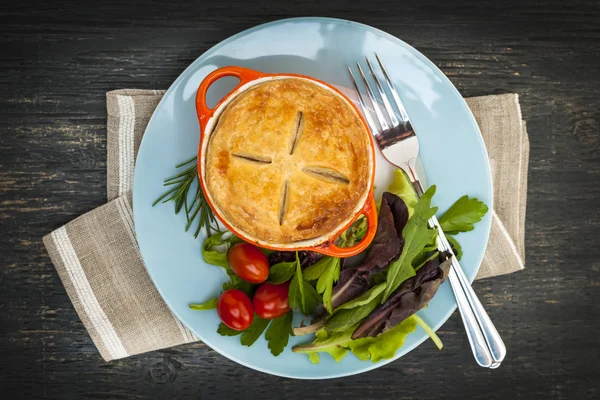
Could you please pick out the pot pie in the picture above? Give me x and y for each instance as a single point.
(289, 161)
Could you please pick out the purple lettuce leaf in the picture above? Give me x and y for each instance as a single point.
(412, 295)
(385, 248)
(307, 258)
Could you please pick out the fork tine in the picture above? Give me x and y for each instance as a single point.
(374, 128)
(378, 112)
(384, 97)
(395, 95)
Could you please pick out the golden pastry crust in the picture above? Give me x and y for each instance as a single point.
(288, 161)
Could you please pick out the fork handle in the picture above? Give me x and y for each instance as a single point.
(487, 345)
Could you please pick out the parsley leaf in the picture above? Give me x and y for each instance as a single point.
(224, 330)
(302, 296)
(462, 215)
(326, 281)
(207, 305)
(279, 333)
(253, 332)
(281, 272)
(416, 235)
(313, 272)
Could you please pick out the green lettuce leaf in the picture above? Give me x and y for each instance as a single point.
(279, 332)
(402, 187)
(382, 347)
(416, 235)
(385, 345)
(461, 216)
(207, 305)
(281, 272)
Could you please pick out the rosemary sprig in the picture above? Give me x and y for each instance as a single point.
(179, 190)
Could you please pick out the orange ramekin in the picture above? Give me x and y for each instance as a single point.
(208, 116)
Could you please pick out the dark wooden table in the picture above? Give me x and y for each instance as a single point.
(57, 63)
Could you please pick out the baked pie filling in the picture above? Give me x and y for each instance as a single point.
(289, 161)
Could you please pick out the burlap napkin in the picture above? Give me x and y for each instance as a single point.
(98, 259)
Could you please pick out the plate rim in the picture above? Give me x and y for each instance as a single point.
(487, 229)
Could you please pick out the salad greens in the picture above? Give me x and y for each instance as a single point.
(215, 247)
(368, 308)
(402, 188)
(279, 333)
(376, 349)
(326, 272)
(207, 305)
(416, 234)
(281, 272)
(412, 295)
(302, 295)
(462, 215)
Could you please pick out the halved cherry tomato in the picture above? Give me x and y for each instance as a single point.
(248, 262)
(235, 309)
(271, 301)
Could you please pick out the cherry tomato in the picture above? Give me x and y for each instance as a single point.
(271, 301)
(235, 309)
(248, 262)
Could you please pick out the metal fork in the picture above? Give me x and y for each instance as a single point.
(399, 144)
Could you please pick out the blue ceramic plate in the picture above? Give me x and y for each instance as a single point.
(452, 153)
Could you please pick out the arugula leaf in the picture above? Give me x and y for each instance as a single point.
(342, 320)
(281, 272)
(461, 216)
(416, 236)
(402, 187)
(207, 305)
(385, 345)
(224, 330)
(364, 298)
(214, 248)
(456, 247)
(302, 296)
(253, 332)
(422, 258)
(279, 333)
